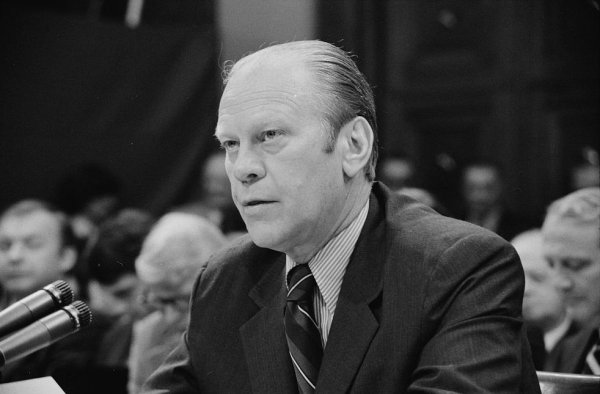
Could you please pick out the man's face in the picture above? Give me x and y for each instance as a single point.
(31, 252)
(481, 188)
(575, 254)
(289, 191)
(543, 302)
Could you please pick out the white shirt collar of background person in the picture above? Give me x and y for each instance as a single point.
(328, 267)
(552, 337)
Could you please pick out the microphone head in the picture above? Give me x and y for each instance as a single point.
(61, 292)
(81, 313)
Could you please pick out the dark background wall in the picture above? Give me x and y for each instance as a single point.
(79, 88)
(512, 80)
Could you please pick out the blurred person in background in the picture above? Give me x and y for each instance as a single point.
(172, 255)
(482, 191)
(397, 171)
(37, 247)
(544, 306)
(215, 202)
(571, 232)
(113, 291)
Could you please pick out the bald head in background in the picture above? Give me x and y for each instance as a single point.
(176, 248)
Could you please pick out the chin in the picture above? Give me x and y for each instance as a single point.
(21, 287)
(265, 236)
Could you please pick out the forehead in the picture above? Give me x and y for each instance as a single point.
(530, 249)
(278, 85)
(33, 223)
(480, 174)
(571, 240)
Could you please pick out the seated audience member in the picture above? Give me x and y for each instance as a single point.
(177, 247)
(113, 291)
(571, 233)
(482, 190)
(37, 247)
(341, 285)
(544, 306)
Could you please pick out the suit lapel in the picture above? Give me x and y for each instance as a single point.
(263, 336)
(354, 324)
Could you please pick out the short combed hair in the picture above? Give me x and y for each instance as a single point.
(343, 90)
(29, 206)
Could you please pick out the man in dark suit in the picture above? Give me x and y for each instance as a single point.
(340, 286)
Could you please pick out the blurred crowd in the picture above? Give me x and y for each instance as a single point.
(136, 271)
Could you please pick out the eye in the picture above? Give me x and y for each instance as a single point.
(33, 243)
(268, 135)
(574, 264)
(4, 245)
(229, 145)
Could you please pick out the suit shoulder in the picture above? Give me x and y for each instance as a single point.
(239, 261)
(427, 228)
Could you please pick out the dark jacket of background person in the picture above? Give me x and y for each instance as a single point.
(570, 354)
(426, 303)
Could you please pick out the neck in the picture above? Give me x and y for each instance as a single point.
(356, 198)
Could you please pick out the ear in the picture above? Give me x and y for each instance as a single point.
(356, 143)
(68, 259)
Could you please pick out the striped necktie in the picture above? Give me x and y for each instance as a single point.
(592, 360)
(303, 338)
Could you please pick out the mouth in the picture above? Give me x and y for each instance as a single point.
(254, 203)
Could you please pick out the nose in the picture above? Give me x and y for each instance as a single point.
(563, 281)
(15, 253)
(248, 166)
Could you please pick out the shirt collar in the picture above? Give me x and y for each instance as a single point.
(552, 337)
(329, 264)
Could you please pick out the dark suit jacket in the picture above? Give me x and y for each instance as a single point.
(553, 359)
(570, 354)
(427, 303)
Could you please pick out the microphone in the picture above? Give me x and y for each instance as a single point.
(35, 306)
(44, 332)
